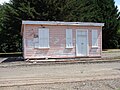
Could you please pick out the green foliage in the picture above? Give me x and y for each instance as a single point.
(118, 37)
(9, 35)
(11, 15)
(111, 18)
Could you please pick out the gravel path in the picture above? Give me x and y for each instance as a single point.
(89, 76)
(22, 75)
(110, 84)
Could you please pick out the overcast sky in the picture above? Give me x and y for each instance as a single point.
(116, 1)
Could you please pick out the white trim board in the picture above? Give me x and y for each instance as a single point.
(63, 23)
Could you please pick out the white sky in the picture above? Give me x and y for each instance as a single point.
(116, 1)
(2, 1)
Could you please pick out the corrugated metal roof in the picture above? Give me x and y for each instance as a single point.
(63, 23)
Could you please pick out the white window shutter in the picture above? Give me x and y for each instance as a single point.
(46, 38)
(43, 38)
(94, 38)
(69, 43)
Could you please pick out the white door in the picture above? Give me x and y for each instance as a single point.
(81, 42)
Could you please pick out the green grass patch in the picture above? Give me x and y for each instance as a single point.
(111, 51)
(11, 54)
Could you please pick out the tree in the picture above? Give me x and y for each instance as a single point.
(14, 12)
(2, 37)
(18, 10)
(111, 17)
(103, 11)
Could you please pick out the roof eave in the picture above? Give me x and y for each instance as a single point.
(63, 23)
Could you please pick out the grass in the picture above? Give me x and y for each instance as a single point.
(11, 54)
(110, 50)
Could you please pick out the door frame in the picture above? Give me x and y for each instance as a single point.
(87, 54)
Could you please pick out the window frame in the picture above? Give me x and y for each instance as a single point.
(69, 38)
(95, 38)
(41, 36)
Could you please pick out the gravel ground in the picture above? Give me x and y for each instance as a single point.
(92, 76)
(111, 54)
(111, 84)
(20, 75)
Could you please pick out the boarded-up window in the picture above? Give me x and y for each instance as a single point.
(94, 38)
(43, 38)
(69, 43)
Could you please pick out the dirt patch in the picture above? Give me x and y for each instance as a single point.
(111, 84)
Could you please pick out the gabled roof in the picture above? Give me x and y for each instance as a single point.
(63, 23)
